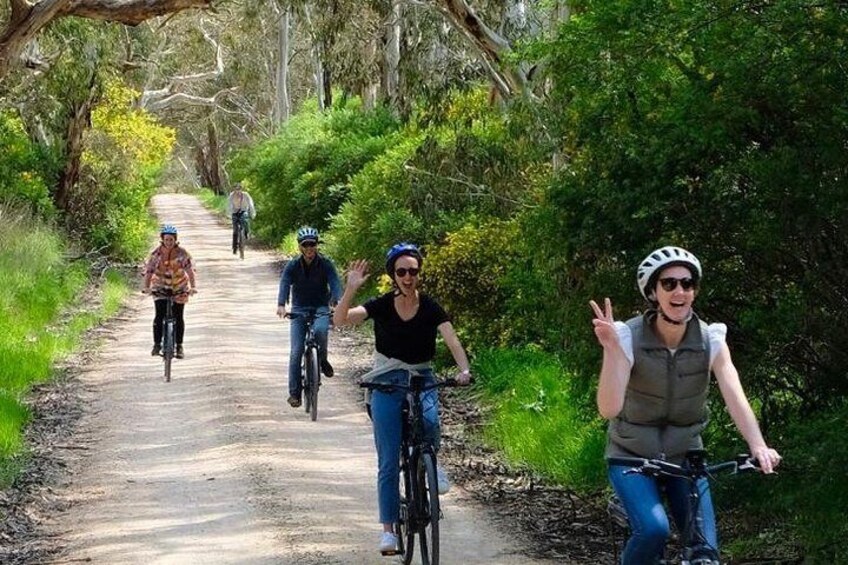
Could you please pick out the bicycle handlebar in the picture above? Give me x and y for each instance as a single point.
(314, 316)
(384, 387)
(660, 467)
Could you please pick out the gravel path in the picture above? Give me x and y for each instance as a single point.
(214, 467)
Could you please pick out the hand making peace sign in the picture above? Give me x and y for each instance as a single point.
(604, 324)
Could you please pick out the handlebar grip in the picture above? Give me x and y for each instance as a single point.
(627, 461)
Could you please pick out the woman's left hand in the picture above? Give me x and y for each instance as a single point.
(464, 378)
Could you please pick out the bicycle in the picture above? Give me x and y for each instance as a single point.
(419, 497)
(311, 366)
(240, 219)
(169, 329)
(694, 549)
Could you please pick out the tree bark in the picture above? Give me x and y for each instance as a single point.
(213, 157)
(27, 20)
(494, 48)
(392, 58)
(282, 103)
(78, 122)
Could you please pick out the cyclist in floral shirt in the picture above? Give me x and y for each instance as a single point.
(169, 267)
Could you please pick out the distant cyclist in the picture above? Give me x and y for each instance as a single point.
(239, 202)
(169, 266)
(653, 389)
(406, 323)
(313, 283)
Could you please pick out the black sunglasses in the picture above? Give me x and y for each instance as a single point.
(670, 283)
(402, 271)
(309, 243)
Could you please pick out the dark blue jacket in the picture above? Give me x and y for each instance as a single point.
(312, 285)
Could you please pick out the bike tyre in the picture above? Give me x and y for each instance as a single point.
(428, 499)
(168, 349)
(404, 529)
(313, 380)
(304, 383)
(241, 242)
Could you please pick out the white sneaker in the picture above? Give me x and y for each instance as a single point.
(388, 543)
(442, 479)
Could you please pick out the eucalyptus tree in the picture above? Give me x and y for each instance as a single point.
(24, 20)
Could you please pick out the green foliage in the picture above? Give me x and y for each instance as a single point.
(535, 420)
(22, 167)
(125, 150)
(440, 173)
(301, 175)
(694, 129)
(802, 508)
(38, 286)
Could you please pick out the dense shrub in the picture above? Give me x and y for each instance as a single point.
(125, 150)
(301, 175)
(22, 167)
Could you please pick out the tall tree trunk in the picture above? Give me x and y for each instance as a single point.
(494, 49)
(78, 122)
(207, 160)
(315, 53)
(392, 58)
(282, 104)
(213, 157)
(369, 89)
(328, 86)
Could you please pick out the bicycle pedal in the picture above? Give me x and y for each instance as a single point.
(390, 552)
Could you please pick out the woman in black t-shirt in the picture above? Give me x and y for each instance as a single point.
(405, 326)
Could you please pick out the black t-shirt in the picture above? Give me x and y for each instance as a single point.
(412, 341)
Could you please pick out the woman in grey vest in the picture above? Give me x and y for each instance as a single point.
(653, 390)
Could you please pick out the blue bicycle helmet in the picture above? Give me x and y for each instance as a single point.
(307, 233)
(399, 250)
(168, 229)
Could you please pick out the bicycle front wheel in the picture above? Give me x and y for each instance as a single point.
(168, 348)
(312, 382)
(241, 242)
(428, 498)
(405, 529)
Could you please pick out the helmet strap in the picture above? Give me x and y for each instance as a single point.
(674, 322)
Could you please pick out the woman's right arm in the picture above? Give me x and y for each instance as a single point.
(615, 368)
(344, 314)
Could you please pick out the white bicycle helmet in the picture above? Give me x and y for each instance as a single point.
(307, 233)
(656, 261)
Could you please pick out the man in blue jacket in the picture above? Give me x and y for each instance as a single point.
(313, 283)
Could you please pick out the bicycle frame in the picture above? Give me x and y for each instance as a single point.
(169, 330)
(693, 547)
(240, 217)
(310, 366)
(420, 507)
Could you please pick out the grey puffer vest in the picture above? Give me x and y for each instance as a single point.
(665, 405)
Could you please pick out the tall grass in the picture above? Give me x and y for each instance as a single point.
(536, 420)
(40, 319)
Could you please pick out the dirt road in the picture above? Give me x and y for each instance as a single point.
(214, 467)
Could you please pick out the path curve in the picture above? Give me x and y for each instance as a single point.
(214, 467)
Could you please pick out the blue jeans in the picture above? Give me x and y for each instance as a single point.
(386, 409)
(649, 527)
(298, 339)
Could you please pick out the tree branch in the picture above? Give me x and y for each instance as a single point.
(188, 99)
(130, 12)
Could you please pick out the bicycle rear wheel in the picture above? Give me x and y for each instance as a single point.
(428, 499)
(168, 348)
(312, 382)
